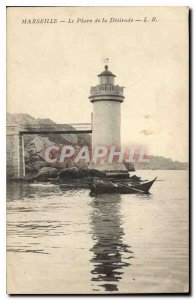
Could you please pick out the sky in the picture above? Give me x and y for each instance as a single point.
(50, 68)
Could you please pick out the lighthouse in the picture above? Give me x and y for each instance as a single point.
(107, 98)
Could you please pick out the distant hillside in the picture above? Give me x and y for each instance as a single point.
(20, 119)
(161, 163)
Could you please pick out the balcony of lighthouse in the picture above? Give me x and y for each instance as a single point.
(106, 89)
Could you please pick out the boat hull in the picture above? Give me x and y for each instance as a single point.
(108, 187)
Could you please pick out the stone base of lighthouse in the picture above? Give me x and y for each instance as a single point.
(112, 170)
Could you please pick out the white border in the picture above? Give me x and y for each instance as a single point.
(3, 4)
(2, 148)
(98, 3)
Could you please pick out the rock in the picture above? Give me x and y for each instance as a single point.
(69, 173)
(47, 172)
(135, 178)
(39, 165)
(38, 145)
(129, 166)
(82, 173)
(96, 173)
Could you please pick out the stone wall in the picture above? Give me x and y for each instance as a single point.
(14, 154)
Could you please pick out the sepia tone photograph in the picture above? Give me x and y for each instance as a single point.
(97, 133)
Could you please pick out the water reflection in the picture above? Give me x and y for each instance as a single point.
(110, 254)
(23, 191)
(144, 196)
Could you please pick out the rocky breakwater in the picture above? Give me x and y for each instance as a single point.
(70, 177)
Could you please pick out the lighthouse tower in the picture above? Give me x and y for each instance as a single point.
(106, 98)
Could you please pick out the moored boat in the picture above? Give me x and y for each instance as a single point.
(101, 186)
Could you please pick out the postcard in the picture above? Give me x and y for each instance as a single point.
(97, 150)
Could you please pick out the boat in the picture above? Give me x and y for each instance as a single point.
(101, 186)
